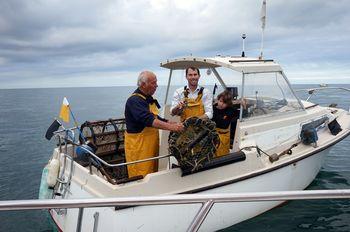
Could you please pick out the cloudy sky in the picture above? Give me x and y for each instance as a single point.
(59, 43)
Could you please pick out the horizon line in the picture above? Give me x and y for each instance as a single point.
(112, 86)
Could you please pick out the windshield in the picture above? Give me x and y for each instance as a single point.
(230, 77)
(268, 93)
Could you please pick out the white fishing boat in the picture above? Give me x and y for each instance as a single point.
(279, 144)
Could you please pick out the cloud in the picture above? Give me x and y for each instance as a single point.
(49, 42)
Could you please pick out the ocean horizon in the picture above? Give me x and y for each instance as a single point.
(314, 84)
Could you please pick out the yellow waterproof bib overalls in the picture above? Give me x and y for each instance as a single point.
(142, 145)
(195, 107)
(224, 147)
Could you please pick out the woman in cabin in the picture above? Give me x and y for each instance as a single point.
(224, 111)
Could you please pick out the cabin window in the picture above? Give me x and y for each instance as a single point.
(268, 93)
(229, 77)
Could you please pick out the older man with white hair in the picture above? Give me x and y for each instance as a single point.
(142, 124)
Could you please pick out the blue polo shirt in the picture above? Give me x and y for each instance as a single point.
(137, 114)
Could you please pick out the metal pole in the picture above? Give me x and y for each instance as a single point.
(175, 199)
(290, 86)
(80, 219)
(263, 22)
(67, 185)
(242, 97)
(217, 75)
(123, 164)
(313, 90)
(96, 216)
(262, 45)
(243, 47)
(168, 86)
(200, 216)
(323, 88)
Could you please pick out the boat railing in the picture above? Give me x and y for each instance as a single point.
(312, 91)
(207, 201)
(59, 137)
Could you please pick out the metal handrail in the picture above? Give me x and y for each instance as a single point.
(126, 163)
(107, 164)
(207, 201)
(311, 91)
(322, 88)
(175, 199)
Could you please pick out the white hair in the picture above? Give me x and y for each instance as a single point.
(142, 78)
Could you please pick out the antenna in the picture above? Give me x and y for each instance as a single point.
(243, 47)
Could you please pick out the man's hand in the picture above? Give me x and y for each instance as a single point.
(204, 117)
(171, 126)
(177, 127)
(179, 108)
(181, 105)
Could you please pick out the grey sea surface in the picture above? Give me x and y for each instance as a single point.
(25, 114)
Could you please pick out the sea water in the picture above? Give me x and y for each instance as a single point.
(25, 114)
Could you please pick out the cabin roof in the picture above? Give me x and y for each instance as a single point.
(239, 64)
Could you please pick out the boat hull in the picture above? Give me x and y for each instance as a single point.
(295, 176)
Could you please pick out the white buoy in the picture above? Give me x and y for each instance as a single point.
(53, 168)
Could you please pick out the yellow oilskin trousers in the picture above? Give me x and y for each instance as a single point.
(224, 147)
(194, 108)
(142, 145)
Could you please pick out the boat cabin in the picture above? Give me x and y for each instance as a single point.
(261, 84)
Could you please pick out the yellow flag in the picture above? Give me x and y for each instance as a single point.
(64, 113)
